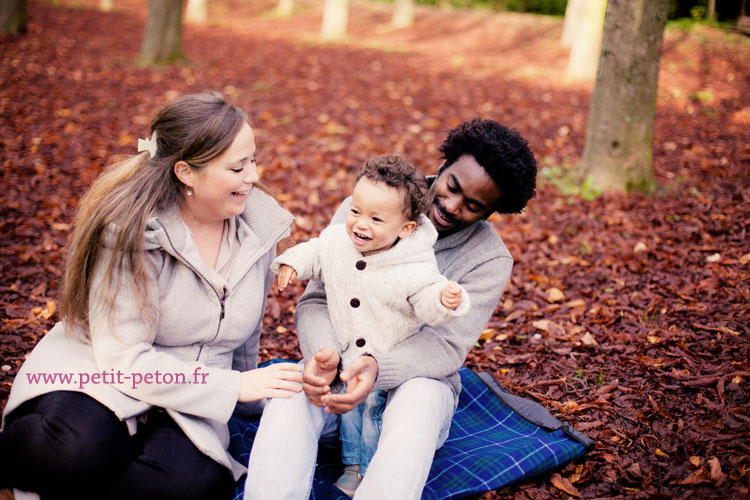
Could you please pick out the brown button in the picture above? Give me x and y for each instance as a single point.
(360, 342)
(354, 302)
(361, 264)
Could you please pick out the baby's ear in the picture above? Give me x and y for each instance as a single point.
(407, 229)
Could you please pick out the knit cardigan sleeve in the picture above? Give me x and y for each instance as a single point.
(314, 327)
(304, 258)
(428, 306)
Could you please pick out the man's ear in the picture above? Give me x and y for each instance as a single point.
(407, 229)
(183, 172)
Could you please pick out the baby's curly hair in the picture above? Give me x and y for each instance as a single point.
(399, 173)
(503, 154)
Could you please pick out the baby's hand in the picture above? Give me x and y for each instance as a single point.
(286, 274)
(451, 295)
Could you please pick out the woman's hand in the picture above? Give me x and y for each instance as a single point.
(279, 380)
(360, 378)
(286, 274)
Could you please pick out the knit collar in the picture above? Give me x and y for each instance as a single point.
(263, 215)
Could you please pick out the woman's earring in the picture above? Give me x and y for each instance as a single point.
(189, 191)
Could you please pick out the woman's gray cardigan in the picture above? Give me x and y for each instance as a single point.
(204, 334)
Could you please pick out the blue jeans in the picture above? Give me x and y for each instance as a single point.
(360, 431)
(416, 421)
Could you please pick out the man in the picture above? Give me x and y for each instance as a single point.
(488, 168)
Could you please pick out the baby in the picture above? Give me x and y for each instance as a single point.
(382, 284)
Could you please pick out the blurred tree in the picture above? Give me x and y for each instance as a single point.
(585, 36)
(403, 13)
(335, 19)
(619, 134)
(196, 12)
(711, 12)
(162, 38)
(107, 5)
(13, 16)
(285, 7)
(573, 13)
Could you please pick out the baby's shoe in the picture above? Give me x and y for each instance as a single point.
(349, 480)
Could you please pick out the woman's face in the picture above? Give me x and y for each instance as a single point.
(222, 186)
(461, 195)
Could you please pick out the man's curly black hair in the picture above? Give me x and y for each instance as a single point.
(503, 154)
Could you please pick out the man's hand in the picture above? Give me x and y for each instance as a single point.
(360, 378)
(320, 371)
(286, 274)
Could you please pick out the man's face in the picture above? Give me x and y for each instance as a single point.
(461, 195)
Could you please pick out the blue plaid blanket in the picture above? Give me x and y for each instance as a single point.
(495, 439)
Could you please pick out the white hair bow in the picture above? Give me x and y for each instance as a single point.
(148, 145)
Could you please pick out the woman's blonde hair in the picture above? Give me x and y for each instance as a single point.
(194, 128)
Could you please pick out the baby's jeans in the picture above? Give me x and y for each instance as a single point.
(360, 431)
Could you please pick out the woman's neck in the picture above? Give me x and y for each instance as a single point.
(207, 235)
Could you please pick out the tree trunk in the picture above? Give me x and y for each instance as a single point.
(620, 126)
(196, 12)
(711, 11)
(285, 8)
(162, 38)
(574, 11)
(403, 14)
(585, 39)
(13, 16)
(335, 19)
(107, 5)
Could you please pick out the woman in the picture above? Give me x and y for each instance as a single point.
(162, 304)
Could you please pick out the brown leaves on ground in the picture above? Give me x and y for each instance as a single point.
(626, 317)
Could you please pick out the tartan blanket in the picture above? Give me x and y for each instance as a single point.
(495, 439)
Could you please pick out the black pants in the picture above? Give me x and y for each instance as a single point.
(68, 445)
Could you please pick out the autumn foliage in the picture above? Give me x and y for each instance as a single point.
(626, 316)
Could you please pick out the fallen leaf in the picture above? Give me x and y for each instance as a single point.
(716, 257)
(555, 295)
(696, 461)
(515, 315)
(487, 334)
(715, 468)
(588, 339)
(49, 311)
(564, 484)
(575, 303)
(542, 324)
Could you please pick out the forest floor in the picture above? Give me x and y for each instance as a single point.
(626, 316)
